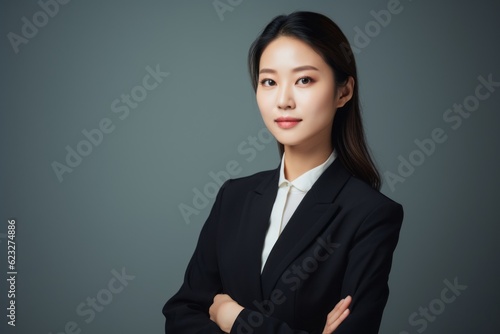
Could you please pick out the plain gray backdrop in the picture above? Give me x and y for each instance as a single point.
(67, 70)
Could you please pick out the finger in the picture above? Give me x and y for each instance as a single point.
(211, 312)
(337, 307)
(214, 308)
(222, 298)
(337, 315)
(341, 306)
(331, 327)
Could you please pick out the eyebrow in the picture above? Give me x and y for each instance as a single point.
(297, 69)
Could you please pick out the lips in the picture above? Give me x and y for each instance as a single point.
(287, 122)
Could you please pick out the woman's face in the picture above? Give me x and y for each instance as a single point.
(296, 94)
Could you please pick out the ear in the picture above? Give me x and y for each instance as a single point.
(345, 92)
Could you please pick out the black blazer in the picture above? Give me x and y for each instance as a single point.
(339, 242)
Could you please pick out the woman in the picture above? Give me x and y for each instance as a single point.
(307, 247)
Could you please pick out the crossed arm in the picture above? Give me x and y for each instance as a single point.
(224, 311)
(365, 279)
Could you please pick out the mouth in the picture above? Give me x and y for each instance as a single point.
(287, 122)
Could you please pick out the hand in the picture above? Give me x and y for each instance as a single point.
(337, 315)
(224, 311)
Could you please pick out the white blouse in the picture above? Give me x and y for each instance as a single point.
(289, 196)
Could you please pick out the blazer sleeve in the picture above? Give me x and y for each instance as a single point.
(366, 279)
(187, 311)
(367, 275)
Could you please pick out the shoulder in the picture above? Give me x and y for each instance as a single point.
(360, 196)
(238, 186)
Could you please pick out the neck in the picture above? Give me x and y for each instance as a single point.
(300, 160)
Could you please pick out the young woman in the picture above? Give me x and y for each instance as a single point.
(306, 247)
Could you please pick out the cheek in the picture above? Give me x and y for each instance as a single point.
(265, 105)
(323, 103)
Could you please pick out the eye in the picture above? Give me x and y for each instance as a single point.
(267, 82)
(305, 80)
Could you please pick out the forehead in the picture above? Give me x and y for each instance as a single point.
(287, 51)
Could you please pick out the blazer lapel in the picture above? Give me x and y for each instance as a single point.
(252, 232)
(311, 216)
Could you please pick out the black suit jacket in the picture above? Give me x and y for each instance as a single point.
(339, 242)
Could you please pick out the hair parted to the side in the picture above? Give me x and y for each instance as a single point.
(326, 38)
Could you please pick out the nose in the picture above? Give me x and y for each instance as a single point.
(285, 98)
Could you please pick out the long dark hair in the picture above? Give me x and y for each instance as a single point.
(326, 38)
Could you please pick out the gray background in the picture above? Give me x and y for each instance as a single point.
(120, 207)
